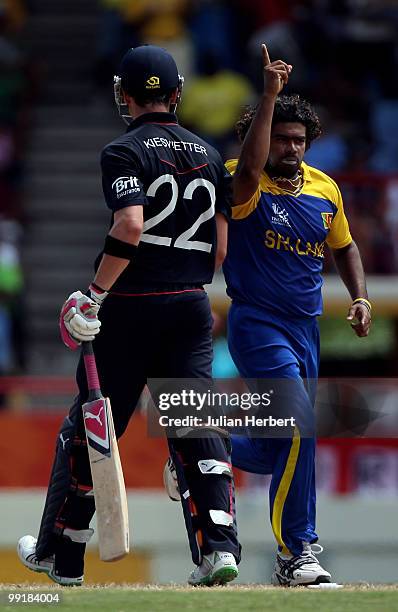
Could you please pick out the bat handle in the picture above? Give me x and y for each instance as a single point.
(91, 371)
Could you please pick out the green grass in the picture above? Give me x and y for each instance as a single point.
(218, 599)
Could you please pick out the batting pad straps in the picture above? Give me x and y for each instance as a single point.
(78, 535)
(119, 248)
(220, 517)
(215, 467)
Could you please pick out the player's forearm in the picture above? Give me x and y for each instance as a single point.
(255, 150)
(349, 265)
(222, 240)
(109, 271)
(126, 230)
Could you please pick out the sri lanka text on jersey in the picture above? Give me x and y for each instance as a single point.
(274, 240)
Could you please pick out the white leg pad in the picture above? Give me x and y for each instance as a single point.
(78, 535)
(220, 517)
(213, 466)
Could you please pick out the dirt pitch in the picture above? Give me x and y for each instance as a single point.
(245, 598)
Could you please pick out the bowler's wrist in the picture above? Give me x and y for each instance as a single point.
(268, 96)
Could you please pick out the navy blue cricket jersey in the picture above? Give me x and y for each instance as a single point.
(181, 182)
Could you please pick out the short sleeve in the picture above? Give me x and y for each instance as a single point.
(224, 193)
(121, 182)
(339, 235)
(241, 211)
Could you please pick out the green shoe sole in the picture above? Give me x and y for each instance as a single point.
(223, 575)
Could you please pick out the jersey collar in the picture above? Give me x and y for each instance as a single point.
(306, 173)
(267, 183)
(157, 118)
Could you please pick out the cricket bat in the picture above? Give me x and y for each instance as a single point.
(106, 468)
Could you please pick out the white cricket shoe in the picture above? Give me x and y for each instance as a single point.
(302, 570)
(170, 481)
(216, 568)
(27, 553)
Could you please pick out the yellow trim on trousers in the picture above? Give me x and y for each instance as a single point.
(283, 490)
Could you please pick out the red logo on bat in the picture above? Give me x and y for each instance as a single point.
(96, 422)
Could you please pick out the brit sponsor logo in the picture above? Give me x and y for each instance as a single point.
(124, 185)
(281, 216)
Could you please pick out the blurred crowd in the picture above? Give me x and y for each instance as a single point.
(344, 53)
(345, 58)
(16, 92)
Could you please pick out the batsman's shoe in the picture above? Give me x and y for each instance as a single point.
(27, 553)
(302, 570)
(216, 568)
(170, 481)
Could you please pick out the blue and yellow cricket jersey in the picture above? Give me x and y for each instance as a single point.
(276, 243)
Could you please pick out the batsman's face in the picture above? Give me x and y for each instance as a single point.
(287, 149)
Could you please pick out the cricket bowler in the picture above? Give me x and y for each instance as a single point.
(284, 213)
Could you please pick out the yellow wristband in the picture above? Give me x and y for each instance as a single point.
(363, 301)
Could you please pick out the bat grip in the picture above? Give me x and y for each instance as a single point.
(91, 371)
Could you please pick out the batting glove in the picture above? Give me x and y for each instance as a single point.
(78, 320)
(97, 294)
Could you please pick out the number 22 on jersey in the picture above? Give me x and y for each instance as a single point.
(184, 240)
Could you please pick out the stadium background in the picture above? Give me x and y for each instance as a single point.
(57, 60)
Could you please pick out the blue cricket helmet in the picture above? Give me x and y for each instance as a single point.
(146, 71)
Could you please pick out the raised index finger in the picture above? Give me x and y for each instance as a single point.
(266, 59)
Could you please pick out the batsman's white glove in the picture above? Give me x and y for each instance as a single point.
(78, 320)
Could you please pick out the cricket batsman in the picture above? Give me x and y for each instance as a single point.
(169, 196)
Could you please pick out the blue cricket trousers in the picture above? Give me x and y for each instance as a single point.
(264, 346)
